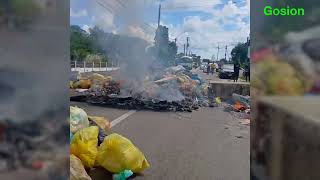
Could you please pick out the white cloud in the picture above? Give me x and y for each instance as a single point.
(231, 10)
(86, 28)
(206, 34)
(78, 14)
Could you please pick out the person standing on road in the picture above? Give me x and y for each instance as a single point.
(247, 72)
(236, 71)
(208, 68)
(213, 68)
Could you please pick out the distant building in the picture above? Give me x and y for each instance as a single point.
(162, 37)
(166, 51)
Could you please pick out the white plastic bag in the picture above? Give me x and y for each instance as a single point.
(78, 119)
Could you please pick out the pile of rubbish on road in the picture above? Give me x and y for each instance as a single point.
(37, 145)
(92, 147)
(174, 89)
(106, 85)
(239, 106)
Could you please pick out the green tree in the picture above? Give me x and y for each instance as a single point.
(97, 36)
(240, 53)
(80, 44)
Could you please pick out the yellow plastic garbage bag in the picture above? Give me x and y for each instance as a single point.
(71, 84)
(102, 122)
(78, 119)
(82, 84)
(109, 78)
(84, 145)
(117, 154)
(218, 100)
(77, 171)
(97, 80)
(97, 76)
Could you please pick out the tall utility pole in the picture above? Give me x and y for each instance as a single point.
(225, 53)
(187, 45)
(248, 44)
(159, 15)
(218, 52)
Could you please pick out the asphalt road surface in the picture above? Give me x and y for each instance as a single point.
(207, 144)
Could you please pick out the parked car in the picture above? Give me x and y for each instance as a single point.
(226, 71)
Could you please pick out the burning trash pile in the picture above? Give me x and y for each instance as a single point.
(171, 90)
(91, 148)
(239, 106)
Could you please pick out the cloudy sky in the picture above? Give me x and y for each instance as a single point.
(208, 23)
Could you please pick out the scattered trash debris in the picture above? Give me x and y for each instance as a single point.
(102, 122)
(228, 107)
(71, 135)
(175, 69)
(218, 100)
(240, 115)
(91, 147)
(245, 122)
(244, 100)
(117, 154)
(81, 90)
(239, 137)
(96, 82)
(77, 171)
(123, 102)
(173, 90)
(239, 107)
(78, 119)
(81, 84)
(123, 175)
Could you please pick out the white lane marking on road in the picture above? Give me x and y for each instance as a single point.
(123, 117)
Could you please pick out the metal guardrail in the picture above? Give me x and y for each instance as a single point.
(91, 67)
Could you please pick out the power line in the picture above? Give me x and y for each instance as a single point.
(105, 7)
(184, 6)
(112, 11)
(121, 3)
